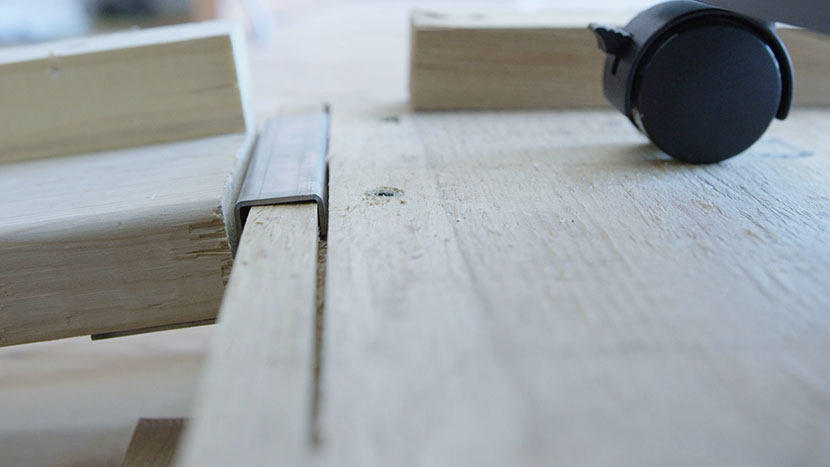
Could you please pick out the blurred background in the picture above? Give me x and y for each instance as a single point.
(30, 21)
(75, 402)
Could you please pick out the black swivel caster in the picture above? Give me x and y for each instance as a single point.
(701, 82)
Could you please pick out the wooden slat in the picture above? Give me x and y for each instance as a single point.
(543, 288)
(475, 61)
(75, 402)
(255, 402)
(546, 60)
(154, 442)
(125, 89)
(117, 241)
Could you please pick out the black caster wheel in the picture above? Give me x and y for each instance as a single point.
(702, 83)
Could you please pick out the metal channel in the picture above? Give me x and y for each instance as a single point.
(288, 165)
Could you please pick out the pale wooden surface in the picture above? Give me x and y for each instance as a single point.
(549, 59)
(116, 240)
(255, 398)
(125, 89)
(154, 442)
(86, 412)
(98, 242)
(545, 288)
(75, 402)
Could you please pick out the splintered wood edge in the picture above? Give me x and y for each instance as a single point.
(232, 187)
(119, 40)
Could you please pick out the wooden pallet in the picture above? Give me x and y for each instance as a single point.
(528, 287)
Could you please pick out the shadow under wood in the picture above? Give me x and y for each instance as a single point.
(316, 388)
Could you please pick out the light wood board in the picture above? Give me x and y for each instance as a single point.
(539, 288)
(117, 240)
(641, 376)
(546, 59)
(125, 89)
(154, 442)
(256, 396)
(75, 402)
(545, 288)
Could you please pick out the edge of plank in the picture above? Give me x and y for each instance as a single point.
(463, 18)
(128, 39)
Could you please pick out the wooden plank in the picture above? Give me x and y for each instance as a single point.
(811, 62)
(476, 61)
(542, 288)
(75, 402)
(117, 241)
(154, 442)
(546, 60)
(255, 402)
(125, 89)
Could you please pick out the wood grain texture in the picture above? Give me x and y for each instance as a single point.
(125, 89)
(255, 400)
(154, 442)
(546, 60)
(475, 61)
(118, 240)
(544, 288)
(624, 376)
